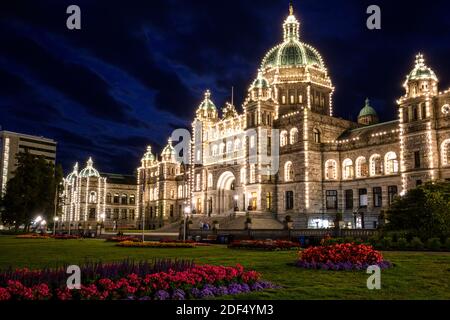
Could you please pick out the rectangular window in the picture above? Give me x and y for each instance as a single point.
(363, 198)
(124, 214)
(289, 200)
(377, 197)
(332, 199)
(348, 199)
(417, 159)
(269, 200)
(171, 210)
(392, 193)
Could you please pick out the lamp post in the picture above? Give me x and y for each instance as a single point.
(55, 221)
(187, 210)
(102, 217)
(236, 198)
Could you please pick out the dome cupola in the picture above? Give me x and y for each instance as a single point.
(148, 159)
(367, 116)
(89, 171)
(73, 174)
(421, 80)
(169, 153)
(207, 108)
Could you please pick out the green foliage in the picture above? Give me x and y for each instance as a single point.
(416, 243)
(32, 191)
(386, 242)
(434, 244)
(447, 244)
(423, 212)
(402, 243)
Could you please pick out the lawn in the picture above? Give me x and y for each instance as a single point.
(415, 275)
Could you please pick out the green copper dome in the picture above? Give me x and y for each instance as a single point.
(421, 71)
(207, 103)
(367, 110)
(292, 52)
(260, 82)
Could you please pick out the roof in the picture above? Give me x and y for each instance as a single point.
(366, 133)
(119, 178)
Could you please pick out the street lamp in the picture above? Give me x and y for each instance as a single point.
(187, 211)
(55, 221)
(236, 198)
(102, 217)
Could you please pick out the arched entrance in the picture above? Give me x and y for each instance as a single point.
(225, 193)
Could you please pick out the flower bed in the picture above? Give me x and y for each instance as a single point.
(167, 245)
(264, 245)
(47, 236)
(122, 239)
(195, 282)
(346, 256)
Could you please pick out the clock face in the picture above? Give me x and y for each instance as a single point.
(446, 109)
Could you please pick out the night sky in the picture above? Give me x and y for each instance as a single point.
(138, 69)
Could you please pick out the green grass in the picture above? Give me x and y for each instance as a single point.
(415, 275)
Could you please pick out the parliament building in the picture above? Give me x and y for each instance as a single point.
(285, 154)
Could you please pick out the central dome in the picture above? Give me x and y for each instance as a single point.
(292, 52)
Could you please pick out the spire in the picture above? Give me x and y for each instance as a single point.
(75, 167)
(420, 61)
(291, 25)
(367, 102)
(90, 163)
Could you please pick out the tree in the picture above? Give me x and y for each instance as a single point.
(32, 191)
(423, 211)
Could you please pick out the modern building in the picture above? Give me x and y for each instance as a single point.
(12, 143)
(286, 154)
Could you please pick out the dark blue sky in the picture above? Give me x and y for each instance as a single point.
(138, 69)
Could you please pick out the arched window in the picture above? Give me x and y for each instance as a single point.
(124, 199)
(92, 197)
(288, 172)
(210, 180)
(116, 198)
(376, 165)
(283, 138)
(243, 174)
(347, 169)
(237, 145)
(293, 135)
(180, 192)
(331, 170)
(172, 194)
(445, 152)
(132, 199)
(362, 169)
(222, 148)
(214, 150)
(229, 146)
(317, 137)
(151, 194)
(391, 163)
(108, 198)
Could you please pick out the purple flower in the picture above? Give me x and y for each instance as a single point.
(145, 298)
(178, 294)
(162, 295)
(221, 291)
(234, 288)
(195, 293)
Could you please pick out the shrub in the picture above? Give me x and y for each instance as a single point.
(386, 242)
(268, 245)
(447, 244)
(416, 243)
(434, 244)
(402, 244)
(165, 245)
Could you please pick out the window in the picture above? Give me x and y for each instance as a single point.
(92, 197)
(362, 169)
(269, 200)
(330, 170)
(392, 193)
(91, 213)
(252, 142)
(229, 146)
(283, 138)
(132, 199)
(237, 145)
(210, 180)
(242, 177)
(180, 192)
(445, 152)
(123, 214)
(124, 199)
(214, 150)
(316, 135)
(292, 99)
(363, 198)
(108, 198)
(252, 173)
(171, 211)
(377, 197)
(108, 214)
(293, 135)
(331, 199)
(289, 200)
(376, 165)
(116, 198)
(172, 194)
(288, 172)
(116, 214)
(347, 167)
(417, 159)
(132, 215)
(222, 148)
(391, 163)
(198, 182)
(424, 111)
(283, 99)
(348, 199)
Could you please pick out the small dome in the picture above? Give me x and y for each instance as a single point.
(367, 110)
(74, 173)
(89, 171)
(169, 152)
(207, 104)
(260, 82)
(148, 156)
(421, 71)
